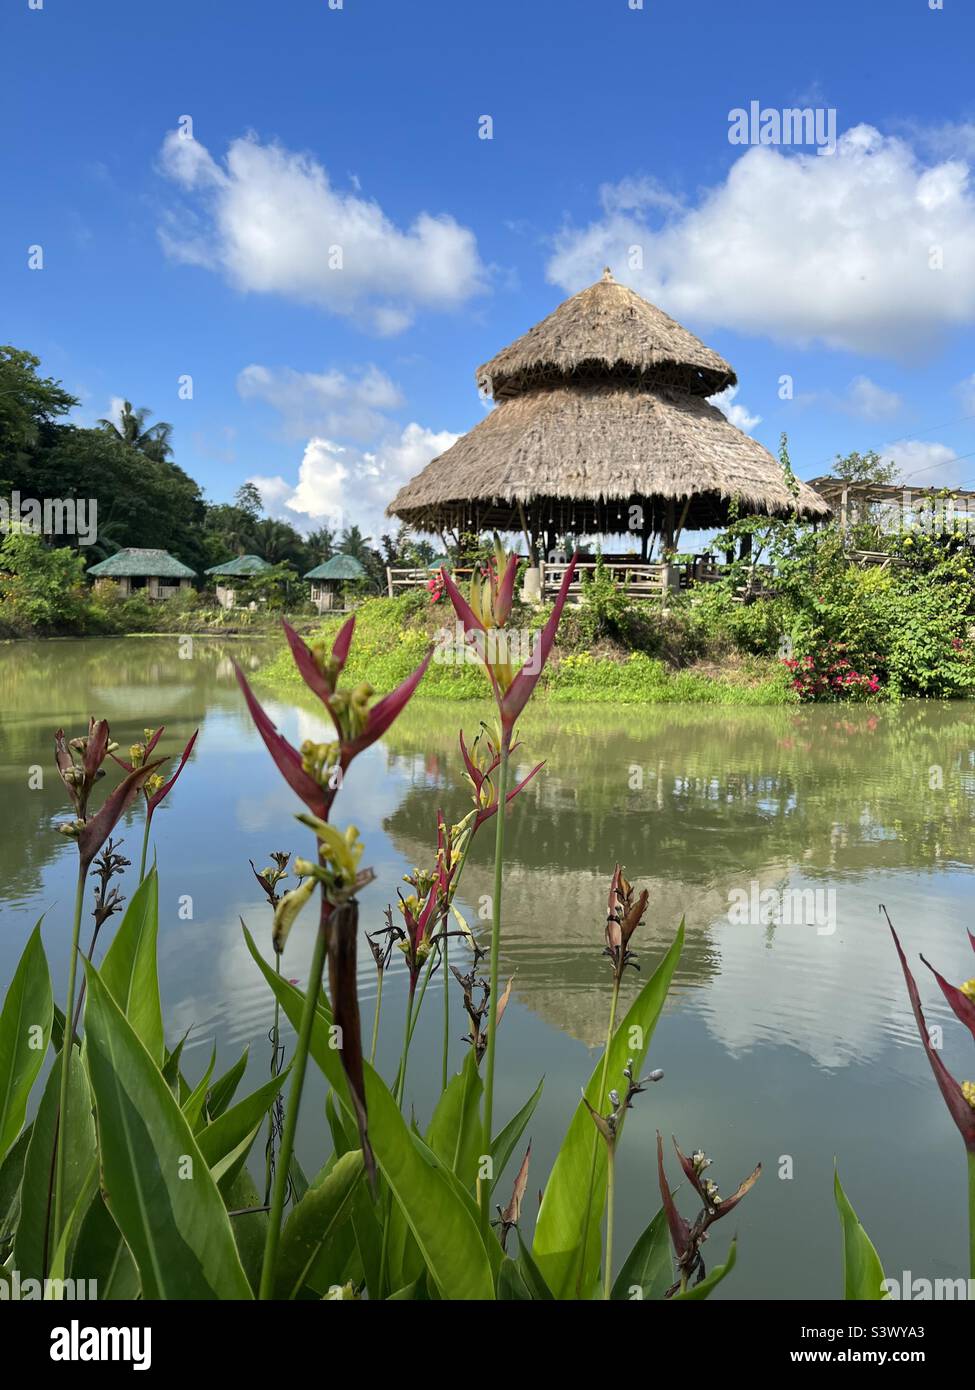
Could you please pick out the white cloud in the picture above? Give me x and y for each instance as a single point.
(966, 393)
(338, 485)
(923, 463)
(802, 247)
(268, 219)
(739, 415)
(868, 401)
(326, 403)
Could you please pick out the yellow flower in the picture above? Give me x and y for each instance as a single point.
(968, 989)
(968, 1091)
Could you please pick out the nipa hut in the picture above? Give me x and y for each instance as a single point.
(155, 573)
(229, 573)
(327, 580)
(601, 426)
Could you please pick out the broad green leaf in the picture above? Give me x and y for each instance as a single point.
(307, 1250)
(129, 970)
(863, 1274)
(224, 1088)
(101, 1254)
(34, 1242)
(249, 1227)
(455, 1133)
(530, 1272)
(192, 1106)
(11, 1176)
(442, 1225)
(224, 1134)
(25, 1031)
(503, 1144)
(511, 1285)
(171, 1072)
(649, 1266)
(557, 1246)
(698, 1292)
(157, 1183)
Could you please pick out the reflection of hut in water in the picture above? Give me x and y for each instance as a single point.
(554, 925)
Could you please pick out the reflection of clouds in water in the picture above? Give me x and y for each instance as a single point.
(838, 999)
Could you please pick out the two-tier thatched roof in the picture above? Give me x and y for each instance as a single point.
(600, 407)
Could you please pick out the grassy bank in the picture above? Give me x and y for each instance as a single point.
(393, 635)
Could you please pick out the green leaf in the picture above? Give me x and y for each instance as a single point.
(530, 1272)
(557, 1245)
(307, 1253)
(224, 1088)
(250, 1228)
(25, 1031)
(34, 1242)
(697, 1292)
(192, 1106)
(863, 1274)
(503, 1145)
(511, 1284)
(11, 1177)
(157, 1183)
(224, 1134)
(101, 1254)
(455, 1132)
(649, 1266)
(442, 1225)
(129, 970)
(170, 1071)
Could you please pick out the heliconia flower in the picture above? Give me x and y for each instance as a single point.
(680, 1231)
(286, 758)
(156, 788)
(960, 1099)
(79, 763)
(694, 1169)
(489, 609)
(479, 772)
(623, 916)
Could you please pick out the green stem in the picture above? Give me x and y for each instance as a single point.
(145, 848)
(971, 1211)
(610, 1216)
(375, 1022)
(600, 1101)
(66, 1047)
(484, 1185)
(399, 1090)
(281, 1175)
(446, 1009)
(275, 1043)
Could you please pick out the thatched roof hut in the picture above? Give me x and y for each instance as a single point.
(601, 409)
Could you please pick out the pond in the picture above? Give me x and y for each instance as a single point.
(789, 1043)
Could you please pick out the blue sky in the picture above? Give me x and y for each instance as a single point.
(312, 128)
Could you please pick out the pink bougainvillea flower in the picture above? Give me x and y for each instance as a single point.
(959, 1098)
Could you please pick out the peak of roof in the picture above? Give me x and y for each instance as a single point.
(606, 331)
(240, 565)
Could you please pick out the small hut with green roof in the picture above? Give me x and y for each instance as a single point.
(241, 567)
(327, 580)
(154, 573)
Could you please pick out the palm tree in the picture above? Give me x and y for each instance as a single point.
(354, 543)
(153, 441)
(275, 540)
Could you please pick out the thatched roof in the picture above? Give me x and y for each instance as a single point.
(240, 565)
(338, 567)
(607, 327)
(135, 563)
(592, 450)
(599, 407)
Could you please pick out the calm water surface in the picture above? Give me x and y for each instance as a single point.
(779, 1043)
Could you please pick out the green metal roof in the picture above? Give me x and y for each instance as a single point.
(339, 567)
(242, 564)
(141, 564)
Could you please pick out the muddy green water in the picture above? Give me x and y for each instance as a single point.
(788, 1043)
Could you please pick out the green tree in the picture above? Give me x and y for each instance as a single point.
(865, 468)
(152, 440)
(42, 590)
(30, 406)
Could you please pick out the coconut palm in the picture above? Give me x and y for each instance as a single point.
(152, 440)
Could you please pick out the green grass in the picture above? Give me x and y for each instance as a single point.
(393, 635)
